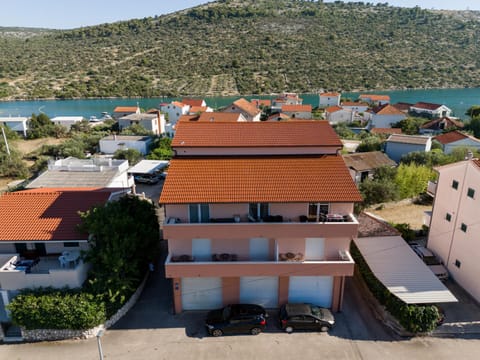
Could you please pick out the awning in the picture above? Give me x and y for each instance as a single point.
(148, 166)
(401, 271)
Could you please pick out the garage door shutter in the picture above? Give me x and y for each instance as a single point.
(311, 289)
(201, 293)
(260, 290)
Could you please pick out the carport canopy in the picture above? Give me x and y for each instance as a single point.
(148, 166)
(401, 271)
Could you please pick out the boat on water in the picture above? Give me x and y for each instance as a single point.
(93, 118)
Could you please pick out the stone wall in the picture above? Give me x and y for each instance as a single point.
(59, 334)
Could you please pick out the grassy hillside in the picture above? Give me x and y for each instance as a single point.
(235, 47)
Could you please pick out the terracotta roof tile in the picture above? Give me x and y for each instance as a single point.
(296, 108)
(278, 116)
(246, 106)
(126, 109)
(449, 122)
(197, 109)
(374, 97)
(261, 102)
(332, 109)
(427, 106)
(46, 214)
(259, 179)
(387, 110)
(450, 137)
(193, 102)
(217, 116)
(402, 106)
(330, 94)
(255, 134)
(179, 104)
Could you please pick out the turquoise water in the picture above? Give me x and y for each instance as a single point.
(459, 100)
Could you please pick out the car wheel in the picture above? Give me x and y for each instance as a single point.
(217, 332)
(289, 329)
(324, 328)
(255, 331)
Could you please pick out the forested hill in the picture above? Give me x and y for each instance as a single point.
(233, 47)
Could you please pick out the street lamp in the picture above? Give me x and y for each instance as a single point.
(99, 343)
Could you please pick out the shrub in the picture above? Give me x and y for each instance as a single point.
(407, 233)
(414, 318)
(47, 308)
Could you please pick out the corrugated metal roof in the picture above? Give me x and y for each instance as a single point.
(401, 271)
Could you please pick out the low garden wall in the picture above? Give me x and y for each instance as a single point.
(57, 334)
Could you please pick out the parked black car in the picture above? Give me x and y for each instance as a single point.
(236, 318)
(305, 317)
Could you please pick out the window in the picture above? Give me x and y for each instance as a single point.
(470, 193)
(258, 210)
(463, 227)
(317, 209)
(199, 213)
(455, 184)
(448, 217)
(458, 263)
(71, 244)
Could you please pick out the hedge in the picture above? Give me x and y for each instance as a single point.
(414, 318)
(47, 308)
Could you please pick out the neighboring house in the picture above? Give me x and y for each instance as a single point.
(455, 139)
(95, 172)
(336, 114)
(67, 121)
(437, 126)
(110, 144)
(355, 106)
(385, 131)
(384, 116)
(174, 110)
(242, 106)
(454, 225)
(154, 122)
(121, 111)
(430, 110)
(373, 99)
(403, 107)
(363, 165)
(248, 222)
(329, 99)
(221, 116)
(398, 145)
(18, 124)
(194, 102)
(262, 103)
(297, 111)
(194, 110)
(278, 117)
(36, 228)
(285, 99)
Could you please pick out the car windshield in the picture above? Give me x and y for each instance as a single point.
(317, 311)
(431, 260)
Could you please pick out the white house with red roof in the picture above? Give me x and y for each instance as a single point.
(121, 111)
(40, 243)
(329, 99)
(384, 116)
(374, 99)
(258, 212)
(456, 139)
(430, 110)
(337, 114)
(242, 106)
(174, 111)
(194, 102)
(297, 111)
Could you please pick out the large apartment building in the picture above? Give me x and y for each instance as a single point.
(258, 212)
(455, 225)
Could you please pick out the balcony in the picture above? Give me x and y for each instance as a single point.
(432, 188)
(46, 271)
(333, 225)
(342, 265)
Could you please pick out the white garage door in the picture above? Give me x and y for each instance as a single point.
(311, 289)
(260, 290)
(201, 293)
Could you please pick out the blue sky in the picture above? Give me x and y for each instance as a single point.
(67, 14)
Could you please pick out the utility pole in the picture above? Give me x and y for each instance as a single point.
(5, 139)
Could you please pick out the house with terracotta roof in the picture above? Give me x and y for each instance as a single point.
(384, 116)
(297, 111)
(363, 165)
(456, 139)
(329, 99)
(121, 111)
(153, 121)
(286, 99)
(355, 106)
(258, 212)
(40, 243)
(430, 110)
(242, 106)
(199, 109)
(278, 117)
(337, 114)
(437, 126)
(174, 111)
(454, 225)
(374, 99)
(398, 145)
(403, 107)
(194, 102)
(262, 103)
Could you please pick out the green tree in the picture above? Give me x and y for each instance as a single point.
(124, 239)
(474, 126)
(412, 179)
(132, 155)
(162, 149)
(370, 143)
(378, 191)
(411, 125)
(473, 111)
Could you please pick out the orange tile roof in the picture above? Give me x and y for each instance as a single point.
(46, 214)
(193, 102)
(246, 106)
(198, 109)
(193, 117)
(330, 94)
(259, 179)
(332, 109)
(178, 103)
(261, 102)
(255, 134)
(278, 116)
(449, 122)
(450, 137)
(297, 108)
(387, 109)
(386, 131)
(426, 106)
(126, 109)
(374, 97)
